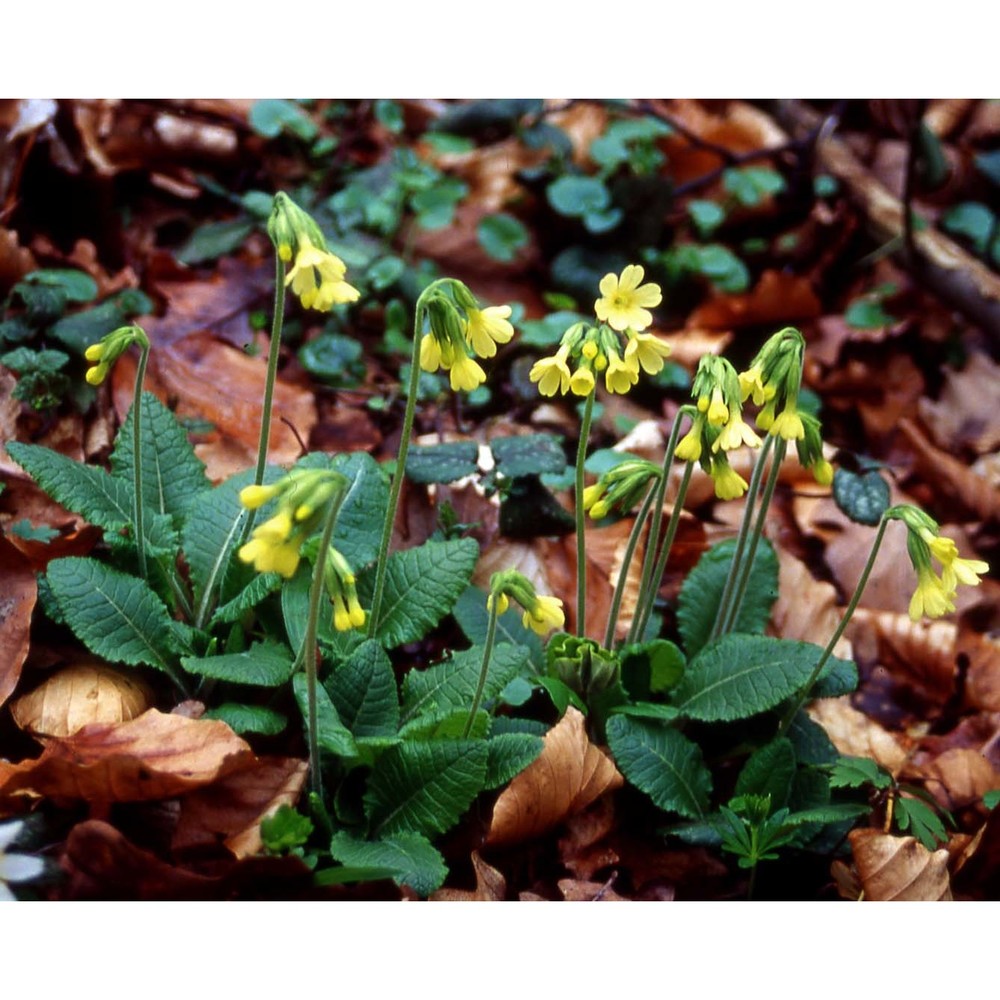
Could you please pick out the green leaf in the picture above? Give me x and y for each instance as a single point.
(661, 762)
(442, 463)
(509, 755)
(988, 164)
(863, 497)
(333, 358)
(867, 314)
(214, 240)
(501, 236)
(445, 142)
(839, 677)
(389, 114)
(115, 615)
(474, 117)
(723, 268)
(333, 734)
(75, 286)
(922, 821)
(385, 272)
(285, 829)
(264, 664)
(248, 598)
(173, 477)
(973, 220)
(270, 118)
(412, 859)
(425, 787)
(836, 813)
(854, 772)
(435, 205)
(32, 533)
(451, 684)
(248, 718)
(79, 331)
(738, 676)
(447, 725)
(769, 771)
(528, 454)
(992, 799)
(810, 741)
(701, 592)
(707, 216)
(751, 185)
(548, 331)
(363, 690)
(421, 587)
(578, 196)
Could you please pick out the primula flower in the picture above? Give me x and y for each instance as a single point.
(625, 302)
(619, 377)
(689, 447)
(729, 484)
(581, 382)
(109, 349)
(734, 434)
(541, 614)
(787, 424)
(545, 615)
(338, 577)
(752, 383)
(502, 603)
(274, 546)
(331, 289)
(552, 374)
(822, 472)
(646, 349)
(592, 494)
(488, 327)
(932, 597)
(954, 569)
(465, 374)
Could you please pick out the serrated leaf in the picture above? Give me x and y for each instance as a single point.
(810, 740)
(921, 820)
(421, 587)
(739, 676)
(863, 497)
(701, 592)
(509, 755)
(412, 859)
(97, 496)
(661, 762)
(249, 597)
(363, 690)
(853, 772)
(248, 718)
(447, 725)
(451, 684)
(839, 677)
(442, 463)
(115, 615)
(173, 477)
(425, 787)
(769, 771)
(528, 454)
(333, 734)
(836, 813)
(264, 664)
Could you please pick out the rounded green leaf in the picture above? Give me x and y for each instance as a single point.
(863, 497)
(501, 236)
(578, 196)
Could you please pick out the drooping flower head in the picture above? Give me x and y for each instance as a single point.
(542, 613)
(729, 484)
(620, 488)
(773, 380)
(110, 348)
(338, 578)
(810, 450)
(625, 302)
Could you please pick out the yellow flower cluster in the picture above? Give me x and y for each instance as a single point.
(109, 349)
(620, 487)
(341, 587)
(542, 613)
(623, 309)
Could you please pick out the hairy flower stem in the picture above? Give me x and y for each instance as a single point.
(581, 517)
(838, 632)
(741, 539)
(137, 504)
(633, 540)
(307, 653)
(491, 634)
(746, 570)
(649, 557)
(404, 447)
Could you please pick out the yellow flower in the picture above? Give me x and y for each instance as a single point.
(488, 327)
(619, 377)
(737, 432)
(932, 597)
(647, 350)
(625, 302)
(503, 603)
(751, 382)
(954, 570)
(253, 497)
(592, 494)
(729, 484)
(717, 411)
(689, 447)
(273, 547)
(822, 472)
(466, 374)
(552, 374)
(357, 613)
(331, 290)
(547, 614)
(581, 382)
(787, 424)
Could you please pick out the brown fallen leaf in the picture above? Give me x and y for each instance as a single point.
(958, 419)
(577, 891)
(77, 696)
(777, 299)
(229, 811)
(960, 777)
(569, 774)
(585, 850)
(151, 757)
(899, 868)
(855, 735)
(982, 679)
(491, 886)
(17, 600)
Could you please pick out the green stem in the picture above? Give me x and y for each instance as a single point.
(722, 612)
(277, 323)
(654, 532)
(639, 624)
(137, 504)
(838, 632)
(746, 570)
(491, 634)
(404, 447)
(581, 517)
(633, 540)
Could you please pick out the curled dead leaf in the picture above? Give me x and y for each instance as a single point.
(899, 868)
(17, 600)
(78, 696)
(807, 608)
(491, 886)
(960, 777)
(569, 774)
(958, 419)
(855, 735)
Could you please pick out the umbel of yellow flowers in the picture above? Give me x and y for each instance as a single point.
(623, 312)
(109, 349)
(542, 613)
(317, 276)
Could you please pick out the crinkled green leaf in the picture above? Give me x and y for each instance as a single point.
(363, 690)
(528, 454)
(248, 718)
(412, 859)
(509, 755)
(442, 463)
(769, 771)
(249, 597)
(264, 664)
(446, 724)
(661, 762)
(425, 787)
(334, 736)
(115, 615)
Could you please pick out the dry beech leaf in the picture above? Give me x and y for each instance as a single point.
(154, 756)
(958, 419)
(960, 777)
(806, 608)
(78, 696)
(230, 810)
(491, 886)
(577, 891)
(855, 735)
(777, 298)
(899, 868)
(982, 680)
(584, 849)
(17, 600)
(570, 774)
